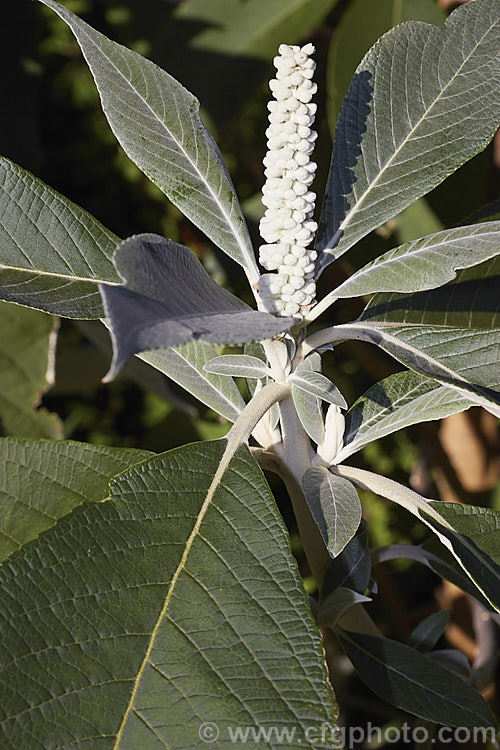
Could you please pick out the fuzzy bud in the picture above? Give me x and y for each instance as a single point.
(334, 435)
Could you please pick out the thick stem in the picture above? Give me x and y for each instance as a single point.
(255, 410)
(356, 619)
(297, 455)
(297, 451)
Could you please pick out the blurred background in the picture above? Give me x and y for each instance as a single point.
(222, 51)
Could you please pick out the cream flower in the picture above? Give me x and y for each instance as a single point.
(287, 226)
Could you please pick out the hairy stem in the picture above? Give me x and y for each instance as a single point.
(296, 459)
(330, 335)
(255, 410)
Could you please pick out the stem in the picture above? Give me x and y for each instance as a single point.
(335, 333)
(255, 410)
(296, 459)
(355, 619)
(297, 451)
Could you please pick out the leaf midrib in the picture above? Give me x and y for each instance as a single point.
(221, 470)
(52, 274)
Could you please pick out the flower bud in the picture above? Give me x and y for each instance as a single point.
(333, 439)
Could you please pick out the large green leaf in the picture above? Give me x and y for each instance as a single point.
(451, 334)
(479, 528)
(361, 24)
(27, 352)
(174, 603)
(157, 122)
(253, 28)
(415, 683)
(52, 252)
(425, 263)
(42, 481)
(394, 403)
(422, 102)
(74, 361)
(460, 357)
(470, 300)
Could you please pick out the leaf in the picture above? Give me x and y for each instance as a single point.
(479, 524)
(471, 300)
(473, 541)
(360, 26)
(454, 661)
(428, 632)
(74, 361)
(318, 385)
(445, 86)
(27, 352)
(463, 359)
(412, 681)
(238, 365)
(336, 605)
(425, 263)
(157, 123)
(334, 505)
(168, 299)
(394, 403)
(185, 366)
(438, 559)
(42, 481)
(174, 603)
(451, 334)
(352, 568)
(479, 566)
(52, 252)
(253, 28)
(307, 405)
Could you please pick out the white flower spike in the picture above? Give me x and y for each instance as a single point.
(287, 225)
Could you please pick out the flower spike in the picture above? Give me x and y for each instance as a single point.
(287, 226)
